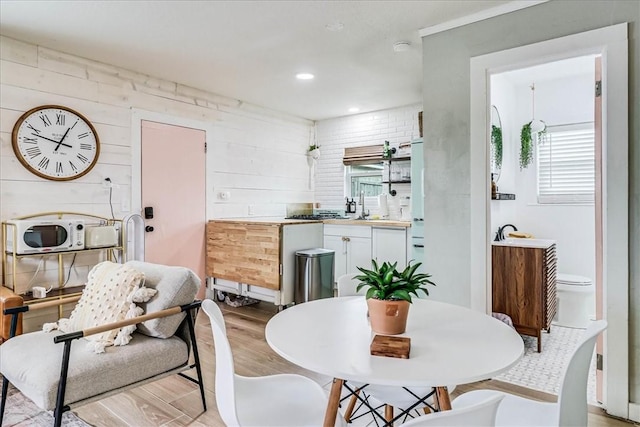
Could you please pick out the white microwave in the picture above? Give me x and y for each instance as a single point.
(33, 236)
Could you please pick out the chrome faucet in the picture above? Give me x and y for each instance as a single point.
(363, 215)
(500, 233)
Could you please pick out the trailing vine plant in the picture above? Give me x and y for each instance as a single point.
(526, 146)
(526, 143)
(496, 141)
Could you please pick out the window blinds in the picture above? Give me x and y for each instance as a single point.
(362, 155)
(566, 165)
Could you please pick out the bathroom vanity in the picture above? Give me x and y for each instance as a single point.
(524, 283)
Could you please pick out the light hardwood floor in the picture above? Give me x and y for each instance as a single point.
(175, 401)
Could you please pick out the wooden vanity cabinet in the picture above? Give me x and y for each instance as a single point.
(524, 286)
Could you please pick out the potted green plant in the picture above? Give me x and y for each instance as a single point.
(314, 151)
(389, 294)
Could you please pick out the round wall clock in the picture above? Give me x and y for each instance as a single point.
(55, 143)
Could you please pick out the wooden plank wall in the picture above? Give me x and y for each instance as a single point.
(257, 155)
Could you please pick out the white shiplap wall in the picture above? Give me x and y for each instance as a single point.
(252, 145)
(258, 155)
(394, 125)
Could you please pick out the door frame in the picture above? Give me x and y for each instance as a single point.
(610, 42)
(137, 116)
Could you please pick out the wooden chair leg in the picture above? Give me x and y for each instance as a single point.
(388, 413)
(332, 406)
(352, 403)
(442, 399)
(426, 410)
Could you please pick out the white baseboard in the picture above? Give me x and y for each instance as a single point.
(634, 412)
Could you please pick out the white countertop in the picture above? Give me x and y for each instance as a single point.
(525, 243)
(280, 220)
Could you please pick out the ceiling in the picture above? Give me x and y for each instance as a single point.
(251, 50)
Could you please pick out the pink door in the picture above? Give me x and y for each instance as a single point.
(173, 184)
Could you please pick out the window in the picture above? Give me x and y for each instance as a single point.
(367, 178)
(363, 170)
(566, 164)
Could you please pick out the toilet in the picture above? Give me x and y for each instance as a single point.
(575, 301)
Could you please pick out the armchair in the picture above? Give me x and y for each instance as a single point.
(57, 377)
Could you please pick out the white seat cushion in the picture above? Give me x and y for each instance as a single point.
(514, 411)
(32, 362)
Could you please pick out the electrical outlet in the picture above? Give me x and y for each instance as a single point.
(107, 183)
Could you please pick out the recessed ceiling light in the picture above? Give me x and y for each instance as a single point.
(304, 76)
(354, 109)
(334, 26)
(401, 46)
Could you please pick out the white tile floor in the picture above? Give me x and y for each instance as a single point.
(543, 371)
(539, 371)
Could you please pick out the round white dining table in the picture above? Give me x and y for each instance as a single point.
(450, 344)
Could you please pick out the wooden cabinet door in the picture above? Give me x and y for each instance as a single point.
(517, 286)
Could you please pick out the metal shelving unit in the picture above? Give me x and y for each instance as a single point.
(11, 258)
(390, 181)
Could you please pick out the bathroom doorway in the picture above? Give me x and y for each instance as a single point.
(611, 43)
(553, 181)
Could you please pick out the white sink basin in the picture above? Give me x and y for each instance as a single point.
(525, 243)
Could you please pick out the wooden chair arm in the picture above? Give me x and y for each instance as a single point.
(122, 323)
(41, 305)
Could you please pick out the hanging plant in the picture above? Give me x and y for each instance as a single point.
(526, 146)
(526, 143)
(537, 127)
(496, 141)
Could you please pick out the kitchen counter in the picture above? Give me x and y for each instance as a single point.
(281, 221)
(255, 257)
(369, 222)
(265, 221)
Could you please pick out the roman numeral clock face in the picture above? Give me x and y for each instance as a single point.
(55, 143)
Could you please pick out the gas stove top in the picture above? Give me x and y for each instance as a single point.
(314, 216)
(318, 215)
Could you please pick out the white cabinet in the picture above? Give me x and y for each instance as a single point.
(390, 244)
(352, 246)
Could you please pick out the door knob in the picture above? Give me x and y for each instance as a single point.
(148, 228)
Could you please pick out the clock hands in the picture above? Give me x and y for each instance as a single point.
(62, 139)
(52, 140)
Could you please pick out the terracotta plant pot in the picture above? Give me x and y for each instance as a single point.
(388, 317)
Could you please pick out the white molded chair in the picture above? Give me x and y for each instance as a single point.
(391, 397)
(347, 285)
(571, 408)
(482, 414)
(274, 400)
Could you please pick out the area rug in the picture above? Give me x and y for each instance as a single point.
(544, 371)
(21, 412)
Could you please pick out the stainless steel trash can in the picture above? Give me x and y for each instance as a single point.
(314, 275)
